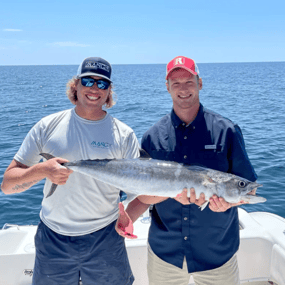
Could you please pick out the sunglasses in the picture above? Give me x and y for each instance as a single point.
(89, 82)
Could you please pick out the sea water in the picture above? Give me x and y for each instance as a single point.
(250, 94)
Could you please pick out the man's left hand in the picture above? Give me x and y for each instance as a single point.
(124, 225)
(218, 204)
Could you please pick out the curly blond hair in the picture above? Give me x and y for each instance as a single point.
(72, 93)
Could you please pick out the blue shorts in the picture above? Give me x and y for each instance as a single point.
(98, 258)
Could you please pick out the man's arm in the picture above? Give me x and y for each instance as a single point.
(19, 177)
(138, 206)
(124, 225)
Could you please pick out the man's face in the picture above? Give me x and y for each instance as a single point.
(184, 88)
(91, 97)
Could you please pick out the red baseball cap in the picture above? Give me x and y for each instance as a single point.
(182, 62)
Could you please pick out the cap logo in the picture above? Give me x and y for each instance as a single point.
(179, 60)
(97, 65)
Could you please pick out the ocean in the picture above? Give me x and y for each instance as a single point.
(250, 94)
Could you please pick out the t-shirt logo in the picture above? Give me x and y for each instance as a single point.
(100, 144)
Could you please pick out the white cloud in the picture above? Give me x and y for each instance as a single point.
(69, 44)
(12, 30)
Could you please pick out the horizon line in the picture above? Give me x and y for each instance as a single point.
(69, 64)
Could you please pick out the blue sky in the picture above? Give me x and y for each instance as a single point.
(135, 32)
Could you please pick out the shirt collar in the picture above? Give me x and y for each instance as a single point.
(176, 121)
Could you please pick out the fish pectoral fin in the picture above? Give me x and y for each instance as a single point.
(52, 189)
(204, 205)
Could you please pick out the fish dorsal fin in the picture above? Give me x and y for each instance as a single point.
(144, 154)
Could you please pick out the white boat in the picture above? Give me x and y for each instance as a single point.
(261, 255)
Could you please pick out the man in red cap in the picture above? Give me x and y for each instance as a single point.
(183, 240)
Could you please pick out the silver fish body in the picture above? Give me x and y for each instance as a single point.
(164, 178)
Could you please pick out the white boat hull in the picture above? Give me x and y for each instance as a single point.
(261, 256)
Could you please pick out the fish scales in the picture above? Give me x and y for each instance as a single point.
(141, 177)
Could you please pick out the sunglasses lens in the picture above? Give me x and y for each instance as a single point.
(87, 81)
(103, 84)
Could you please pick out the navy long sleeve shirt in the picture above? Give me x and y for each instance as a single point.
(207, 239)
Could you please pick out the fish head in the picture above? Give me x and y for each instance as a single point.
(246, 186)
(250, 198)
(237, 189)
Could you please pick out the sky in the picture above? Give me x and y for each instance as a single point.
(65, 32)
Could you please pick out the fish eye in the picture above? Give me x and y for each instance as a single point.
(241, 184)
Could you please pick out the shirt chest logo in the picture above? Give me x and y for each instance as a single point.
(100, 144)
(211, 146)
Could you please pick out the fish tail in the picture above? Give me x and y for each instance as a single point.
(52, 189)
(48, 156)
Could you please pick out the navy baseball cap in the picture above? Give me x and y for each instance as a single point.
(95, 66)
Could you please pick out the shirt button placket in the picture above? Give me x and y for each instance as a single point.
(185, 223)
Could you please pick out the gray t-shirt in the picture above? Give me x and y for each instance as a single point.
(83, 205)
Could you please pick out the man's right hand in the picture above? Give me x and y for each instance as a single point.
(19, 177)
(55, 172)
(185, 200)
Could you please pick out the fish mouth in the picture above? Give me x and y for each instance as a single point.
(251, 187)
(252, 195)
(252, 198)
(256, 185)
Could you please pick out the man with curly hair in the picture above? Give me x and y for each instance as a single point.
(76, 236)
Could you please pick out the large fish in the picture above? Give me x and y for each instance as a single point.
(145, 176)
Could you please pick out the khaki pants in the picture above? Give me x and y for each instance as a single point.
(163, 273)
